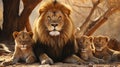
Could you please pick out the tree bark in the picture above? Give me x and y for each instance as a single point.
(12, 20)
(88, 28)
(100, 21)
(10, 16)
(86, 24)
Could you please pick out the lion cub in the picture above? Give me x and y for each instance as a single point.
(103, 52)
(23, 48)
(86, 49)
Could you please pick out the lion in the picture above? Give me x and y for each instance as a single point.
(102, 51)
(54, 35)
(86, 49)
(23, 48)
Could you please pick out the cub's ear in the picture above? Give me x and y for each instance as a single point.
(91, 39)
(66, 10)
(95, 38)
(106, 38)
(30, 33)
(82, 39)
(15, 33)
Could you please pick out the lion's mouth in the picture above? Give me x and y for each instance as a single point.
(23, 47)
(54, 33)
(83, 50)
(98, 49)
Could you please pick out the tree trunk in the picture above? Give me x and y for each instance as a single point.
(10, 15)
(100, 21)
(12, 20)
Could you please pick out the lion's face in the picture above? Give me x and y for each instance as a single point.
(86, 43)
(100, 43)
(23, 40)
(54, 22)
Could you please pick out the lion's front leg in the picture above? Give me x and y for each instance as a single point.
(74, 59)
(45, 59)
(107, 58)
(30, 59)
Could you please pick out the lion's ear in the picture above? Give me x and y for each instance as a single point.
(15, 33)
(66, 10)
(31, 34)
(41, 11)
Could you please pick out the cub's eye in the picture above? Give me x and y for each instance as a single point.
(48, 17)
(59, 18)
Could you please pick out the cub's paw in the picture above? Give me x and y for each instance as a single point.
(30, 59)
(101, 61)
(74, 59)
(47, 61)
(91, 63)
(96, 61)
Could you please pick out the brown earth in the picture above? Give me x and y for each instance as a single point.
(5, 56)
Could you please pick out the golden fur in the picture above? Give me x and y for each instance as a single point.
(100, 42)
(54, 30)
(23, 48)
(86, 49)
(102, 51)
(65, 24)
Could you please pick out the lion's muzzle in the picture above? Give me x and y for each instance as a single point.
(54, 33)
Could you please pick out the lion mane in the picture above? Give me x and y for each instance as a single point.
(56, 47)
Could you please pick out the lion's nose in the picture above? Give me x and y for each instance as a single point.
(54, 25)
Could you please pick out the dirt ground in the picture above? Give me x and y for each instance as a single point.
(4, 56)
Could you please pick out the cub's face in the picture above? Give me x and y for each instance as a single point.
(54, 22)
(86, 43)
(100, 43)
(23, 40)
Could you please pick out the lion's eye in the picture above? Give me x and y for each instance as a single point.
(48, 17)
(59, 18)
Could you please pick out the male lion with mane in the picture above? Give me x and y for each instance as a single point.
(54, 35)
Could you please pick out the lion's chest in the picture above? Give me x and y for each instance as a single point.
(55, 48)
(25, 53)
(57, 51)
(54, 51)
(84, 56)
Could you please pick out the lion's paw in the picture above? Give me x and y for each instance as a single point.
(47, 61)
(30, 59)
(101, 61)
